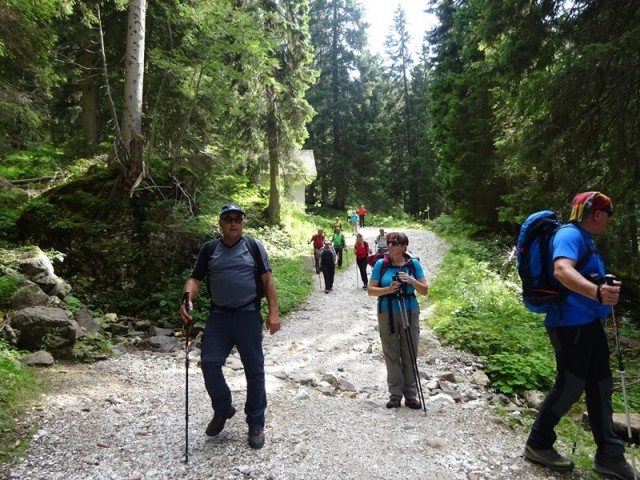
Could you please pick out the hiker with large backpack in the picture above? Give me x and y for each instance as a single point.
(238, 275)
(395, 279)
(577, 302)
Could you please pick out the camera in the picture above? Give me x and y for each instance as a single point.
(396, 278)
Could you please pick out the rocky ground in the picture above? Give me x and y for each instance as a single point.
(125, 418)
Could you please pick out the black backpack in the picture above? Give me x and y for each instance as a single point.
(259, 269)
(540, 289)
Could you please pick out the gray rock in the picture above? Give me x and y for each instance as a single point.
(29, 294)
(87, 322)
(160, 343)
(480, 378)
(52, 329)
(38, 359)
(534, 398)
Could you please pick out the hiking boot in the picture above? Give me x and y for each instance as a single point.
(256, 438)
(615, 468)
(394, 402)
(219, 419)
(412, 402)
(549, 458)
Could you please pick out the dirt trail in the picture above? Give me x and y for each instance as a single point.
(125, 418)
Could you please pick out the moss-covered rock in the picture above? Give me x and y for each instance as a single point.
(119, 250)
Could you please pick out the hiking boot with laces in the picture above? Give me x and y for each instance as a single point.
(615, 468)
(256, 438)
(219, 419)
(549, 458)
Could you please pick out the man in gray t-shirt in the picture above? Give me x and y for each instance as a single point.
(237, 271)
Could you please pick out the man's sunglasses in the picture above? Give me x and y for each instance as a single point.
(608, 211)
(230, 220)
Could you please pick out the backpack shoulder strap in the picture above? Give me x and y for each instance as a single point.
(586, 256)
(252, 245)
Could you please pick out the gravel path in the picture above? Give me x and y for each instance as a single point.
(125, 418)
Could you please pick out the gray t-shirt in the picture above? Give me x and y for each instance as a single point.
(230, 272)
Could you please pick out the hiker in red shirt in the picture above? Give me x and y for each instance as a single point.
(362, 251)
(362, 212)
(318, 243)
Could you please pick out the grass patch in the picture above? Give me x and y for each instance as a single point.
(19, 387)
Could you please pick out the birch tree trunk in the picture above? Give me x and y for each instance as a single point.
(131, 124)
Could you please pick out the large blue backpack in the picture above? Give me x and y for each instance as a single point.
(540, 289)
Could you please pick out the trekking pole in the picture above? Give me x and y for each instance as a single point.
(609, 279)
(187, 331)
(578, 423)
(412, 350)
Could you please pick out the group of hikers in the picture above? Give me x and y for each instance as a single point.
(238, 274)
(328, 253)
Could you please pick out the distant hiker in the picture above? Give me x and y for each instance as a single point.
(237, 272)
(362, 251)
(381, 241)
(362, 213)
(354, 223)
(337, 223)
(328, 260)
(575, 328)
(339, 244)
(395, 278)
(318, 241)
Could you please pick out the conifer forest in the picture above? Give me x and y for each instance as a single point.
(509, 106)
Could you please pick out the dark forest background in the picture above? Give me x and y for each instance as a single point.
(510, 107)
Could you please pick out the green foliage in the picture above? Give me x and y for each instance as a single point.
(40, 161)
(8, 288)
(73, 304)
(92, 347)
(513, 373)
(475, 311)
(19, 386)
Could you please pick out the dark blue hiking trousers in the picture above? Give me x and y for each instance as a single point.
(242, 329)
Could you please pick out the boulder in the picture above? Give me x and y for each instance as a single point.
(38, 359)
(29, 295)
(51, 329)
(39, 269)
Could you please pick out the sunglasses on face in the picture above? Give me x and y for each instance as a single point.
(229, 220)
(608, 211)
(395, 243)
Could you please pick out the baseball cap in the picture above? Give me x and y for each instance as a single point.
(231, 208)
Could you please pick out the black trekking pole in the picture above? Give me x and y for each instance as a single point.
(187, 331)
(412, 350)
(609, 279)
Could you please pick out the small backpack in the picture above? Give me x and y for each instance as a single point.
(540, 289)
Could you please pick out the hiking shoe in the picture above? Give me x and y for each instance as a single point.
(219, 419)
(549, 458)
(394, 402)
(616, 469)
(256, 438)
(412, 402)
